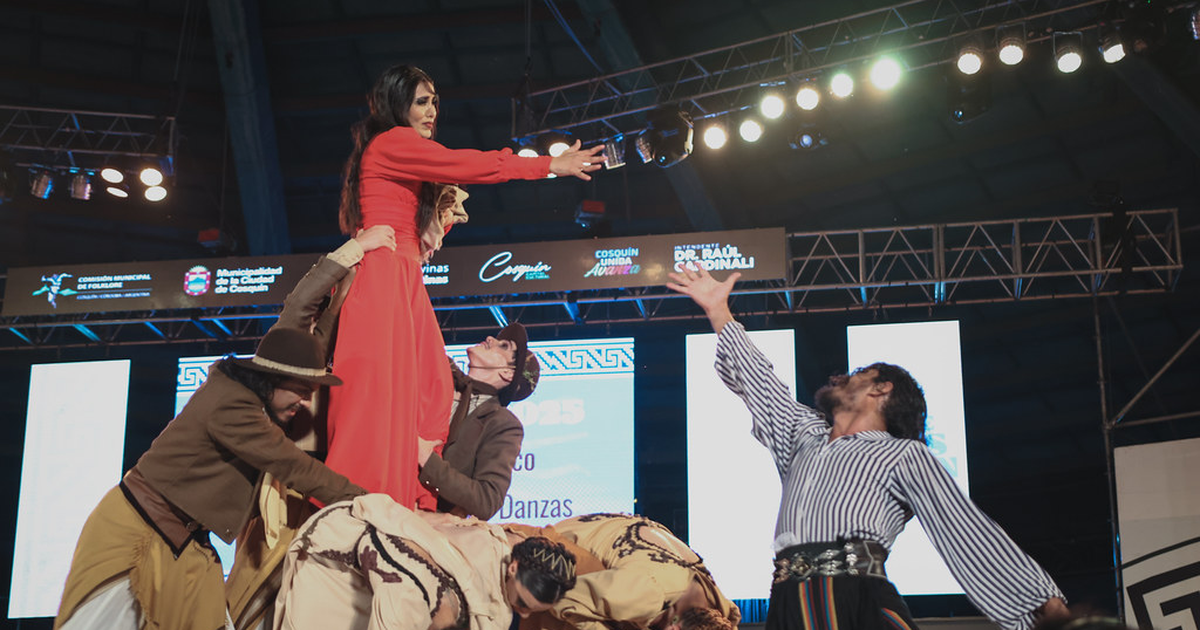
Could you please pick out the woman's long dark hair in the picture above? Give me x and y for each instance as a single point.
(390, 100)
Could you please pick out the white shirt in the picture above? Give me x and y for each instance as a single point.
(868, 484)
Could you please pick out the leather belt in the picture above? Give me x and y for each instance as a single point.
(172, 524)
(852, 557)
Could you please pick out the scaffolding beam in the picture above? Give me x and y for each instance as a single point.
(924, 266)
(727, 79)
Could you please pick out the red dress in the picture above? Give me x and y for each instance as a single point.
(390, 351)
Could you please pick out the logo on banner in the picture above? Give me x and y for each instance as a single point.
(615, 262)
(52, 287)
(497, 267)
(435, 274)
(712, 256)
(197, 280)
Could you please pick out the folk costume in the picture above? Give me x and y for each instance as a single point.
(845, 501)
(143, 555)
(258, 559)
(646, 569)
(389, 346)
(373, 563)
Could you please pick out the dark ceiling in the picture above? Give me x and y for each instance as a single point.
(271, 133)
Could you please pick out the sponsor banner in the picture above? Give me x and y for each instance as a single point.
(606, 263)
(169, 284)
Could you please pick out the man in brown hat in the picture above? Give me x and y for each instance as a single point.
(473, 473)
(143, 557)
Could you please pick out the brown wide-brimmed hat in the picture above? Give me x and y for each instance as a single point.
(293, 353)
(528, 368)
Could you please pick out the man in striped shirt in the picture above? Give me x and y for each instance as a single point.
(852, 477)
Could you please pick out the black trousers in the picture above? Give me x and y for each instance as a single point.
(842, 602)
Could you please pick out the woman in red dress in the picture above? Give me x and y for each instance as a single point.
(389, 349)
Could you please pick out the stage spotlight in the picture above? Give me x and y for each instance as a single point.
(527, 152)
(885, 73)
(807, 97)
(970, 59)
(112, 175)
(715, 136)
(81, 186)
(1111, 46)
(151, 176)
(41, 184)
(808, 139)
(1012, 45)
(842, 84)
(1068, 51)
(750, 130)
(772, 106)
(553, 143)
(156, 193)
(120, 191)
(558, 148)
(668, 138)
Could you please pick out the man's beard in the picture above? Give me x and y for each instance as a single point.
(827, 401)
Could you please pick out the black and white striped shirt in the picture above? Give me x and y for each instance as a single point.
(868, 484)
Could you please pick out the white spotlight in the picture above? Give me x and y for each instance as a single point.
(1012, 44)
(1012, 53)
(1114, 53)
(558, 148)
(807, 98)
(527, 152)
(117, 190)
(1069, 62)
(970, 60)
(715, 136)
(772, 106)
(1068, 52)
(112, 175)
(151, 176)
(1111, 47)
(750, 130)
(156, 193)
(841, 85)
(885, 73)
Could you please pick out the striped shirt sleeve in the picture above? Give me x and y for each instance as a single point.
(1000, 579)
(778, 418)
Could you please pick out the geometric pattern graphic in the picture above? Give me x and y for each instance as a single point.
(1163, 588)
(572, 358)
(193, 371)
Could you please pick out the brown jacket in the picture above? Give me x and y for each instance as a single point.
(209, 460)
(473, 473)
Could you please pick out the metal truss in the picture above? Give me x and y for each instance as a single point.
(60, 138)
(712, 83)
(833, 271)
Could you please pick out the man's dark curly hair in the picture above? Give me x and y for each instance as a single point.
(261, 383)
(546, 568)
(904, 410)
